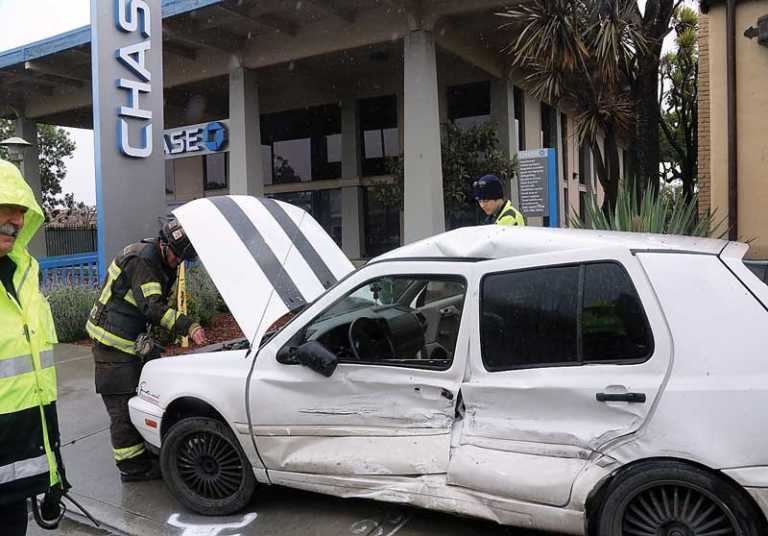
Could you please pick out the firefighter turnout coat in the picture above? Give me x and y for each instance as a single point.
(29, 431)
(134, 295)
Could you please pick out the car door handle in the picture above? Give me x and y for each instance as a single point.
(636, 398)
(447, 312)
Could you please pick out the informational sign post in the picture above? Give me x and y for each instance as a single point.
(127, 63)
(537, 184)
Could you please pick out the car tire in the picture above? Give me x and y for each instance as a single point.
(672, 498)
(205, 467)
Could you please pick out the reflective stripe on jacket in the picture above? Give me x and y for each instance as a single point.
(509, 215)
(135, 294)
(29, 434)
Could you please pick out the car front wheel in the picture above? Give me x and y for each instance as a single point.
(669, 498)
(205, 467)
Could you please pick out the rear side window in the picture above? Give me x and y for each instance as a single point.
(759, 268)
(565, 315)
(614, 327)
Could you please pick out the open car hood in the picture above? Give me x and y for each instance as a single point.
(265, 257)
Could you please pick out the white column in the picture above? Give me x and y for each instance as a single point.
(352, 221)
(350, 140)
(246, 174)
(424, 203)
(30, 169)
(503, 115)
(532, 122)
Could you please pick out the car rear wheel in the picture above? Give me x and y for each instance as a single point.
(205, 467)
(669, 498)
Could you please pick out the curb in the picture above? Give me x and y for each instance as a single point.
(112, 519)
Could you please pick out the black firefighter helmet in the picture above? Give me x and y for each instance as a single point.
(173, 234)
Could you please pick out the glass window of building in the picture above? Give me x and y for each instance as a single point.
(323, 205)
(382, 225)
(215, 171)
(585, 164)
(469, 105)
(380, 135)
(549, 134)
(564, 143)
(583, 200)
(519, 98)
(548, 126)
(302, 145)
(266, 163)
(170, 177)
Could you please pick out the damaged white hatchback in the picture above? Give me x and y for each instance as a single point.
(575, 381)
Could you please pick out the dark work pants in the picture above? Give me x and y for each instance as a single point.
(124, 435)
(117, 375)
(13, 518)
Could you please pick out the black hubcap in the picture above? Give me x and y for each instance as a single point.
(209, 465)
(676, 510)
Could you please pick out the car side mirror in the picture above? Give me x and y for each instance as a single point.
(314, 355)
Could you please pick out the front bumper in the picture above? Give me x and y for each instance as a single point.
(147, 418)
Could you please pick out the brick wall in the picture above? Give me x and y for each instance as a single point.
(705, 170)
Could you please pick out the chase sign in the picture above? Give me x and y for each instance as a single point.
(133, 17)
(196, 140)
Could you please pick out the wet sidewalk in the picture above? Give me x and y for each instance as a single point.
(148, 509)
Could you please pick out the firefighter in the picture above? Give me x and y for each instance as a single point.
(30, 461)
(489, 193)
(133, 299)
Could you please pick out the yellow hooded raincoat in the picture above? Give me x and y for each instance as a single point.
(29, 434)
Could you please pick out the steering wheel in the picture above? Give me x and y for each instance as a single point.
(368, 340)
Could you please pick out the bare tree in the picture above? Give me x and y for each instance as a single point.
(678, 104)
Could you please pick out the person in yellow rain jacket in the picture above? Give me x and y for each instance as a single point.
(489, 193)
(30, 461)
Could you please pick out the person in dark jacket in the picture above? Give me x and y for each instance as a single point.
(30, 459)
(489, 193)
(135, 298)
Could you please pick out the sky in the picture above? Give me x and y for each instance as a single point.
(26, 21)
(33, 20)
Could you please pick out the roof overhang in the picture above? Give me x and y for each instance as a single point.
(203, 40)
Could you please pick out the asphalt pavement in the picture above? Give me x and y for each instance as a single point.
(147, 508)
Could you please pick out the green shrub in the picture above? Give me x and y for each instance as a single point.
(666, 212)
(203, 300)
(70, 307)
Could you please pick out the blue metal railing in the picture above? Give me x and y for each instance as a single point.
(70, 271)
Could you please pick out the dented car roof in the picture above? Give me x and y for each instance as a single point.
(499, 241)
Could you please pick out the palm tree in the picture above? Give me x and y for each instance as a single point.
(598, 57)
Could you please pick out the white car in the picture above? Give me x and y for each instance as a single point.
(581, 382)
